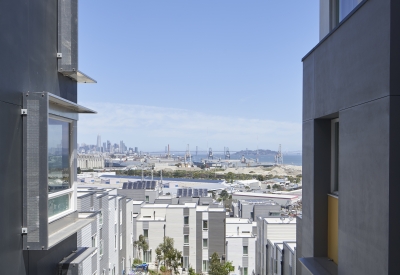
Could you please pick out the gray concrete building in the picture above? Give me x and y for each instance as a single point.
(39, 110)
(350, 221)
(251, 209)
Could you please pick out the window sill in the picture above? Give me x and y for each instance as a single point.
(60, 215)
(319, 265)
(336, 196)
(67, 231)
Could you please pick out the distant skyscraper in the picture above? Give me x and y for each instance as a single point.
(136, 150)
(98, 143)
(104, 147)
(108, 146)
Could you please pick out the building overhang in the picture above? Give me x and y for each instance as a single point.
(319, 265)
(66, 104)
(78, 76)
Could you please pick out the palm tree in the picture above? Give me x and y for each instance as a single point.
(141, 244)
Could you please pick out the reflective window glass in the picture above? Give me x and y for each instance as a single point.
(346, 6)
(58, 155)
(58, 205)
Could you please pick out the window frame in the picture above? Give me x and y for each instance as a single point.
(245, 247)
(205, 222)
(38, 107)
(94, 239)
(206, 241)
(186, 237)
(335, 156)
(205, 266)
(72, 190)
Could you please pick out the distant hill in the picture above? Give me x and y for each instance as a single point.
(261, 152)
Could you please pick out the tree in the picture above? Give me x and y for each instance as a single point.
(229, 177)
(260, 177)
(277, 187)
(192, 271)
(216, 267)
(141, 244)
(171, 256)
(224, 195)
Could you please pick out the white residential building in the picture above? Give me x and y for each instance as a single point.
(271, 231)
(90, 161)
(241, 245)
(289, 258)
(198, 231)
(110, 233)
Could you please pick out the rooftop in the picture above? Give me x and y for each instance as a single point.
(263, 195)
(278, 220)
(241, 235)
(291, 245)
(164, 179)
(237, 220)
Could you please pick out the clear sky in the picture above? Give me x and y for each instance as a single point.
(209, 73)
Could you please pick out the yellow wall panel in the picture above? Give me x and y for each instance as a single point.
(333, 228)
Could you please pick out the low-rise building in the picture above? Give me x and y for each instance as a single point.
(252, 208)
(289, 258)
(271, 231)
(282, 199)
(90, 161)
(198, 231)
(241, 245)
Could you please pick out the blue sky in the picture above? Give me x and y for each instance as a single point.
(209, 73)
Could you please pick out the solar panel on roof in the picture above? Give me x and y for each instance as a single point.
(124, 185)
(153, 185)
(184, 192)
(190, 192)
(130, 185)
(135, 184)
(148, 185)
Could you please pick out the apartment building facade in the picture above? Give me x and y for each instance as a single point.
(350, 221)
(241, 245)
(38, 104)
(114, 236)
(198, 231)
(271, 232)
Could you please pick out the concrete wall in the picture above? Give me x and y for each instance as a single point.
(350, 75)
(216, 233)
(235, 253)
(134, 194)
(129, 235)
(113, 237)
(289, 260)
